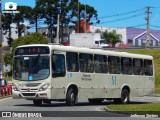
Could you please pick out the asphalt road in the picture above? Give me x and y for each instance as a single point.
(59, 110)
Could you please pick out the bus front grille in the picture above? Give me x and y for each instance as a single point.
(28, 94)
(32, 84)
(29, 90)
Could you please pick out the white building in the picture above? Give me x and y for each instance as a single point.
(133, 36)
(130, 36)
(121, 31)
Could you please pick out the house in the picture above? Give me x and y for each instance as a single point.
(137, 37)
(130, 36)
(134, 36)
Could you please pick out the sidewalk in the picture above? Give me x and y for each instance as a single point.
(155, 98)
(156, 95)
(7, 96)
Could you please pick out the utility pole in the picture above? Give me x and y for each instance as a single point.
(57, 36)
(85, 18)
(62, 16)
(147, 43)
(78, 17)
(1, 61)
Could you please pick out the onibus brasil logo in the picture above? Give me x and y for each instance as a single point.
(10, 7)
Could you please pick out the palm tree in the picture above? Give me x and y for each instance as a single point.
(112, 37)
(98, 31)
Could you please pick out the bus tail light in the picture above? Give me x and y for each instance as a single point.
(44, 87)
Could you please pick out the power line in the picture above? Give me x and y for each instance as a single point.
(133, 26)
(155, 7)
(120, 19)
(122, 14)
(155, 26)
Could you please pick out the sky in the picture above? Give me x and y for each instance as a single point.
(117, 13)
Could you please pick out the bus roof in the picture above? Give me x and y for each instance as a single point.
(91, 51)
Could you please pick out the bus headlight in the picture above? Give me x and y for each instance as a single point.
(44, 87)
(15, 87)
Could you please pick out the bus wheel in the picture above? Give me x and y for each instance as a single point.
(95, 101)
(37, 102)
(71, 97)
(124, 97)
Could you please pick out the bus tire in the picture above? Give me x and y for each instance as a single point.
(37, 102)
(124, 97)
(95, 101)
(71, 97)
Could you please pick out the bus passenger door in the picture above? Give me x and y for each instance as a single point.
(58, 76)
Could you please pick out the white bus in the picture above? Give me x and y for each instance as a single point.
(44, 73)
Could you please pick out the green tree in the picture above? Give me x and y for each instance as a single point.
(8, 58)
(112, 37)
(26, 13)
(36, 16)
(6, 22)
(90, 13)
(68, 11)
(98, 31)
(8, 18)
(48, 9)
(34, 38)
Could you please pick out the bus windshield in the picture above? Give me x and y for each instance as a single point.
(31, 67)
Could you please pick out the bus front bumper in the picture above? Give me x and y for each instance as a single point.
(30, 95)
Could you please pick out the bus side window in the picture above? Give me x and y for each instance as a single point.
(126, 66)
(101, 65)
(148, 67)
(137, 66)
(114, 64)
(58, 65)
(86, 62)
(72, 62)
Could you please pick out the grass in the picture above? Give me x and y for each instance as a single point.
(157, 88)
(156, 55)
(135, 108)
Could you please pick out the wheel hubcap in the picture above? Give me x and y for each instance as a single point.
(125, 98)
(72, 97)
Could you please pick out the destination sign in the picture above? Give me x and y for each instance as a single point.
(32, 50)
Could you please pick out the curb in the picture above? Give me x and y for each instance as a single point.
(154, 95)
(7, 96)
